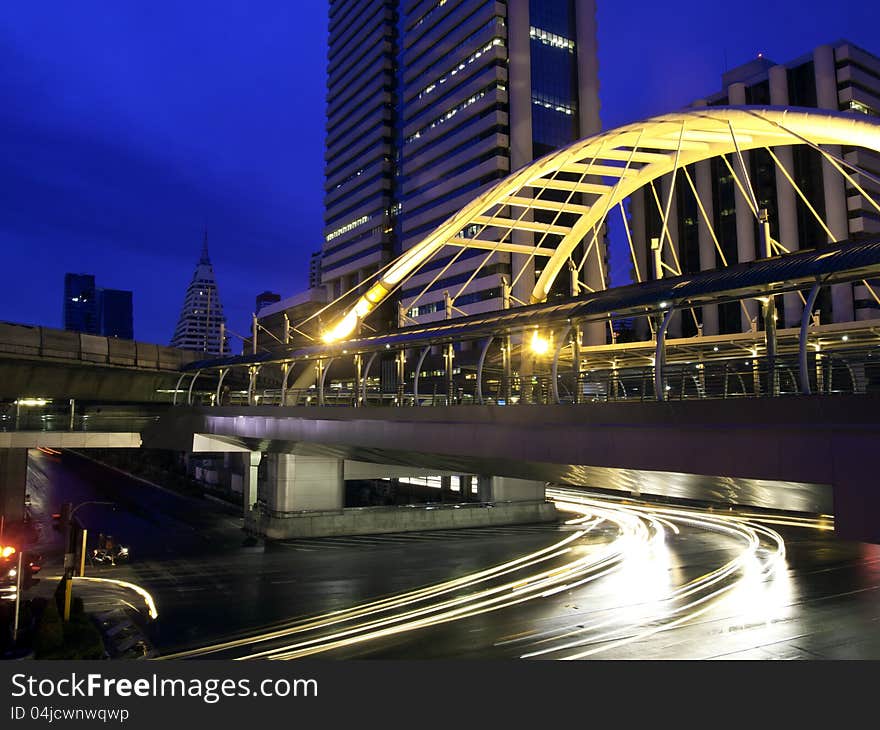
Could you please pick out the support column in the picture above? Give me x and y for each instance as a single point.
(842, 305)
(509, 489)
(745, 219)
(295, 483)
(249, 479)
(786, 203)
(13, 484)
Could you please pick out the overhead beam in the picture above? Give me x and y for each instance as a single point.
(521, 225)
(505, 247)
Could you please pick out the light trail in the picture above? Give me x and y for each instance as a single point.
(633, 549)
(147, 597)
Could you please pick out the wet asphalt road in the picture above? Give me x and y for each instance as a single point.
(822, 602)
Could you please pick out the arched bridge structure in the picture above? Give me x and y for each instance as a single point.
(580, 185)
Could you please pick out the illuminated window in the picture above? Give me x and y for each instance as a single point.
(551, 39)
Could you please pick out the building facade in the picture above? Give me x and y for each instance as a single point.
(430, 102)
(201, 325)
(360, 143)
(508, 83)
(839, 77)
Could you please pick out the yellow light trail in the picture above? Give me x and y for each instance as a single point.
(636, 544)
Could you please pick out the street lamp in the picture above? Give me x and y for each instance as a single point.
(67, 513)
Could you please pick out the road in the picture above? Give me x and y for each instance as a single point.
(621, 581)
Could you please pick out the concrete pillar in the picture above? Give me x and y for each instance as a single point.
(13, 484)
(786, 201)
(295, 483)
(251, 464)
(745, 218)
(842, 305)
(509, 489)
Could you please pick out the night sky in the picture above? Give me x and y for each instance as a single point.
(128, 128)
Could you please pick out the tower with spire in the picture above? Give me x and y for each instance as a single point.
(201, 325)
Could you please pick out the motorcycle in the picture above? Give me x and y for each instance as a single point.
(110, 556)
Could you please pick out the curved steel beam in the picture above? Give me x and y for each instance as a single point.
(324, 369)
(480, 364)
(802, 342)
(223, 372)
(659, 145)
(191, 384)
(364, 376)
(177, 388)
(554, 386)
(424, 354)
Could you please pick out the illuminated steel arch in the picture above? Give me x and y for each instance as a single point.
(587, 179)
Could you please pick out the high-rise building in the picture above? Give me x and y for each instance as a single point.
(509, 83)
(81, 304)
(96, 311)
(201, 325)
(264, 299)
(116, 315)
(428, 104)
(360, 145)
(838, 77)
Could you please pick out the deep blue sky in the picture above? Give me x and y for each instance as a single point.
(128, 127)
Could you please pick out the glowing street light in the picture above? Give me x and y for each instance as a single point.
(540, 345)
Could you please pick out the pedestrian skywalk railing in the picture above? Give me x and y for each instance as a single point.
(850, 372)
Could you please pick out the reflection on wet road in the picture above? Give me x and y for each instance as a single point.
(624, 548)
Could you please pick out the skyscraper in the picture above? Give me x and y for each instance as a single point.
(838, 77)
(360, 146)
(201, 324)
(509, 83)
(116, 316)
(428, 104)
(96, 311)
(80, 304)
(264, 299)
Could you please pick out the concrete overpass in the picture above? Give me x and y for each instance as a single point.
(797, 453)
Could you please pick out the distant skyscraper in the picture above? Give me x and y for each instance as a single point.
(115, 313)
(96, 311)
(201, 318)
(315, 270)
(266, 298)
(81, 304)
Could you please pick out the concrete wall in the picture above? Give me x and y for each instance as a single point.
(377, 520)
(302, 483)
